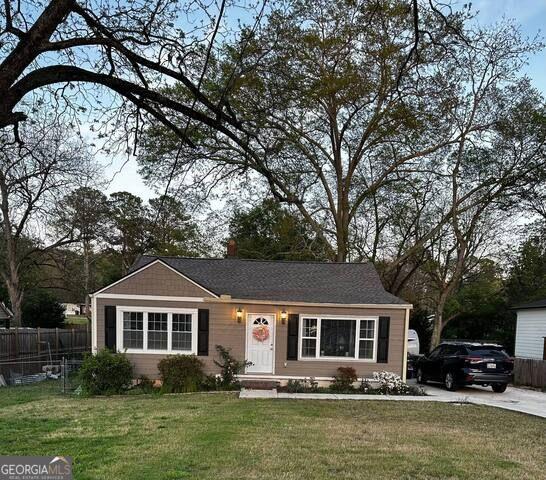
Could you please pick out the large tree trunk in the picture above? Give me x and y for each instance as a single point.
(16, 299)
(437, 331)
(11, 275)
(13, 282)
(438, 321)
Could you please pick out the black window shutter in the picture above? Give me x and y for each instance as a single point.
(203, 332)
(110, 327)
(383, 340)
(293, 327)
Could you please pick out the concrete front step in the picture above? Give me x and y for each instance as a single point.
(260, 384)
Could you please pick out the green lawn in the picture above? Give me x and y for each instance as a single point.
(76, 320)
(218, 436)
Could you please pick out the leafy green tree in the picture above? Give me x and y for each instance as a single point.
(270, 232)
(41, 309)
(345, 108)
(85, 212)
(129, 234)
(480, 310)
(527, 279)
(172, 231)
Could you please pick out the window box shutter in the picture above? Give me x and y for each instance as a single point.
(203, 332)
(110, 327)
(383, 340)
(293, 327)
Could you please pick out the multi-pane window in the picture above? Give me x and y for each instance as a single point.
(349, 338)
(367, 337)
(133, 331)
(157, 331)
(181, 336)
(309, 337)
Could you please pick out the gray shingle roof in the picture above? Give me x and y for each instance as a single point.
(314, 282)
(535, 304)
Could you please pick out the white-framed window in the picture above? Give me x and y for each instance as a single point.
(182, 331)
(335, 338)
(133, 329)
(156, 330)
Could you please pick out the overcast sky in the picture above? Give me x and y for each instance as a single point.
(531, 14)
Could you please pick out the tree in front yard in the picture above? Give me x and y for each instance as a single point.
(348, 116)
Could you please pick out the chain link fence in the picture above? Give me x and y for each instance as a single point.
(34, 371)
(33, 355)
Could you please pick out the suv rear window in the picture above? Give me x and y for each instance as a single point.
(487, 351)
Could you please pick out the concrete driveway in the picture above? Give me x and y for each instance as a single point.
(517, 399)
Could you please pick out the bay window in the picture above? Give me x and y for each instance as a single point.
(338, 337)
(157, 330)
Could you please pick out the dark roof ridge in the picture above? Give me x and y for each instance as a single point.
(321, 262)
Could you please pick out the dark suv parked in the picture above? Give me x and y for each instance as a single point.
(463, 363)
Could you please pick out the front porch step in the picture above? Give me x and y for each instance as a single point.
(260, 384)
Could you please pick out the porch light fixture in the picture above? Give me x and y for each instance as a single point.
(239, 315)
(284, 316)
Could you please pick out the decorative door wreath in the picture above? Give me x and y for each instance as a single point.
(260, 333)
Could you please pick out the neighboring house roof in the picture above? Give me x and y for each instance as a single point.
(310, 282)
(528, 305)
(5, 312)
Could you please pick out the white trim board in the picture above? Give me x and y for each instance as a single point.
(163, 298)
(265, 376)
(376, 306)
(94, 348)
(405, 349)
(158, 260)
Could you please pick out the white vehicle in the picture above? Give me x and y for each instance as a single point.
(413, 342)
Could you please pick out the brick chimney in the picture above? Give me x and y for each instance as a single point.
(232, 249)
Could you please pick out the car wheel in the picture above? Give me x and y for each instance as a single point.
(449, 382)
(421, 377)
(499, 387)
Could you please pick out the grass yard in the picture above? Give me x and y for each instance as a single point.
(76, 320)
(218, 436)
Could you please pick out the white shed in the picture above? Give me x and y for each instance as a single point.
(531, 330)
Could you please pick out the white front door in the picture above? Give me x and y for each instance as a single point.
(260, 341)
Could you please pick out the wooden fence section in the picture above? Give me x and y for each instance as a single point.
(25, 351)
(530, 372)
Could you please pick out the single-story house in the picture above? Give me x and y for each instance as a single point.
(5, 315)
(292, 320)
(531, 330)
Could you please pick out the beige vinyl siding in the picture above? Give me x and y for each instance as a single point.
(530, 333)
(159, 280)
(224, 330)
